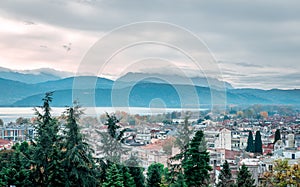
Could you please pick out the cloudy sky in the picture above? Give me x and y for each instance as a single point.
(255, 44)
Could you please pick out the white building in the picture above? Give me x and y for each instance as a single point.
(223, 141)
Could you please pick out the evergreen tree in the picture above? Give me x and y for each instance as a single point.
(136, 171)
(195, 162)
(244, 177)
(179, 182)
(114, 177)
(79, 166)
(183, 135)
(250, 145)
(111, 146)
(182, 141)
(14, 166)
(128, 179)
(46, 158)
(225, 177)
(154, 175)
(258, 143)
(277, 136)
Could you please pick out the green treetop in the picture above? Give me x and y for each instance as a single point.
(225, 176)
(250, 145)
(244, 177)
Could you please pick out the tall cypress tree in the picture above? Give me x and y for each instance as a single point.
(46, 158)
(78, 163)
(250, 145)
(225, 177)
(244, 178)
(258, 143)
(277, 136)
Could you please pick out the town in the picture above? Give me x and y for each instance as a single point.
(252, 136)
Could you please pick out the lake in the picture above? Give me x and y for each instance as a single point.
(8, 114)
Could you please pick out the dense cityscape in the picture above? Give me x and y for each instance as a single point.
(263, 144)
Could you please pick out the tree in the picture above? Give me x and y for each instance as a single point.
(168, 145)
(154, 175)
(179, 182)
(244, 177)
(14, 167)
(250, 145)
(283, 174)
(21, 121)
(183, 135)
(136, 171)
(111, 142)
(258, 143)
(114, 177)
(225, 177)
(128, 179)
(79, 166)
(46, 158)
(195, 162)
(1, 123)
(277, 136)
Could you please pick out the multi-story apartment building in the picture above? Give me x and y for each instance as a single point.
(17, 132)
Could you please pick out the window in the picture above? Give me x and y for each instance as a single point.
(293, 156)
(270, 167)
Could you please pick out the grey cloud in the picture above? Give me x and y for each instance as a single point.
(257, 34)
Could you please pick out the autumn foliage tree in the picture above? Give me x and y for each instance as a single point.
(283, 174)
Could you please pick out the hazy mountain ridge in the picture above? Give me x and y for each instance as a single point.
(142, 94)
(142, 91)
(173, 79)
(33, 76)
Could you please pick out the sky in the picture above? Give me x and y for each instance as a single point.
(255, 44)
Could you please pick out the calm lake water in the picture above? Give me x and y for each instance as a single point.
(8, 114)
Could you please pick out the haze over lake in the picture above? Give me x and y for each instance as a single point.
(10, 114)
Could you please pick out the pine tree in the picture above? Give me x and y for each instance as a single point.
(250, 145)
(111, 146)
(114, 177)
(277, 136)
(195, 162)
(79, 166)
(244, 177)
(225, 177)
(128, 179)
(182, 141)
(136, 171)
(46, 158)
(154, 175)
(179, 182)
(258, 143)
(14, 166)
(183, 135)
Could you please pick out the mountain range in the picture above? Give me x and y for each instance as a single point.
(20, 89)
